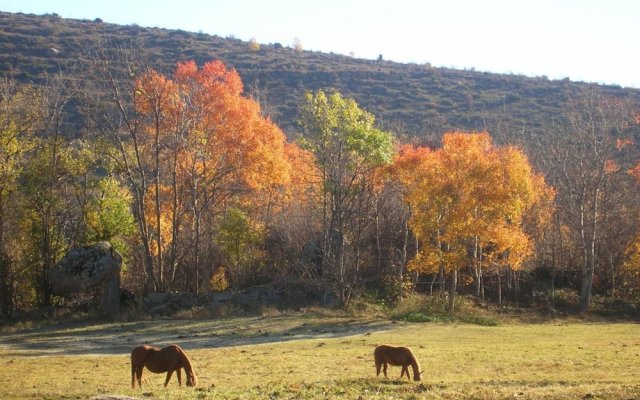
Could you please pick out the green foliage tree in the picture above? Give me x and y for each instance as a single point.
(46, 184)
(109, 214)
(45, 190)
(347, 148)
(241, 243)
(20, 117)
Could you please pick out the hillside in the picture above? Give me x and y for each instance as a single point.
(414, 99)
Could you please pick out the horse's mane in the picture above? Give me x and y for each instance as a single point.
(414, 363)
(188, 367)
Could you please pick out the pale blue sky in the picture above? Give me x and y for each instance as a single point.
(584, 40)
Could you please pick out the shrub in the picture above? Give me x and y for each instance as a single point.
(425, 309)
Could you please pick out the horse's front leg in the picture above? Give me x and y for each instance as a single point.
(405, 369)
(179, 374)
(384, 369)
(166, 382)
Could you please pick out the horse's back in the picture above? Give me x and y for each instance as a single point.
(394, 355)
(138, 354)
(164, 359)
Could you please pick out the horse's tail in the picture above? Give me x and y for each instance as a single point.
(378, 354)
(133, 375)
(137, 359)
(192, 379)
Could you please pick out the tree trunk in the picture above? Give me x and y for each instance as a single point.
(516, 286)
(47, 214)
(403, 262)
(5, 267)
(452, 291)
(587, 281)
(588, 269)
(433, 281)
(499, 287)
(157, 204)
(6, 285)
(614, 274)
(196, 251)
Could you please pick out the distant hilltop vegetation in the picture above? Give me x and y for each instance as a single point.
(410, 99)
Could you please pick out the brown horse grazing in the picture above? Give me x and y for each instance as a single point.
(159, 360)
(392, 355)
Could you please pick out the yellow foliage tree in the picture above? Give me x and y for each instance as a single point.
(468, 201)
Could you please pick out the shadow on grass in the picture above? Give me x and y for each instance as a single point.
(120, 338)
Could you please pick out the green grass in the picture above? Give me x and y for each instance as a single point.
(317, 355)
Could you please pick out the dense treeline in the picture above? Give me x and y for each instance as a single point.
(200, 191)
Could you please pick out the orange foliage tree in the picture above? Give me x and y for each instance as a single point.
(207, 147)
(468, 202)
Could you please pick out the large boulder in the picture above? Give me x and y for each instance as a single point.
(87, 267)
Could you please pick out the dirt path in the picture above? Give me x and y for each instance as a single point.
(120, 338)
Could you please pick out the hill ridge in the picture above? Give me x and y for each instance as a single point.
(414, 99)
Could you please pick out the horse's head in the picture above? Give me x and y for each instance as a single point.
(418, 376)
(192, 380)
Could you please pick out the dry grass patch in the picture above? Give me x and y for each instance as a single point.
(319, 356)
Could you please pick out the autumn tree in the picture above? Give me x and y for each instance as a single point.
(190, 146)
(295, 219)
(231, 154)
(348, 148)
(45, 183)
(468, 200)
(21, 115)
(50, 177)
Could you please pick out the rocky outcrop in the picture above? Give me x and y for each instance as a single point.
(88, 267)
(282, 295)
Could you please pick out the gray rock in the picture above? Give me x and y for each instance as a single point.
(84, 268)
(87, 267)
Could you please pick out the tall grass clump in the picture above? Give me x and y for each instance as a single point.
(423, 308)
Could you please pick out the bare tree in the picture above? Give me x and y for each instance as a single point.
(577, 157)
(109, 108)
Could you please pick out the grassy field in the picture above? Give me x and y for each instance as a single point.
(313, 355)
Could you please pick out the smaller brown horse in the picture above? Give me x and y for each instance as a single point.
(400, 356)
(159, 360)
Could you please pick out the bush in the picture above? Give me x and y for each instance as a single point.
(565, 298)
(425, 309)
(369, 304)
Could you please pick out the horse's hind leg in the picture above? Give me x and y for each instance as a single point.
(166, 382)
(137, 375)
(384, 369)
(133, 376)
